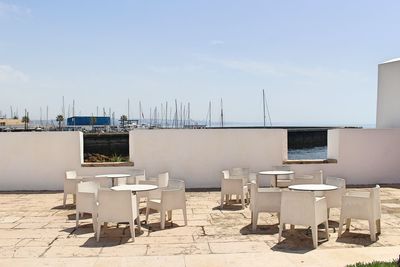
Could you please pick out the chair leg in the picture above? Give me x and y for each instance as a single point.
(147, 214)
(327, 229)
(184, 215)
(242, 199)
(98, 231)
(378, 226)
(348, 222)
(74, 198)
(222, 200)
(328, 211)
(169, 215)
(77, 219)
(94, 221)
(340, 230)
(138, 215)
(314, 232)
(281, 227)
(372, 229)
(162, 219)
(64, 199)
(132, 228)
(254, 220)
(138, 223)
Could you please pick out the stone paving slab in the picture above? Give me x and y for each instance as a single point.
(315, 258)
(36, 226)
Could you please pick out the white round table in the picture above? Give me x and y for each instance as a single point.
(276, 174)
(312, 187)
(113, 176)
(135, 187)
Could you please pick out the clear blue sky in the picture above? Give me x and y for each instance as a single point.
(317, 60)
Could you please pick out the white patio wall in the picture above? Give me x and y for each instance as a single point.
(38, 160)
(199, 156)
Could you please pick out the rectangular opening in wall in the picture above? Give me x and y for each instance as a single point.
(307, 143)
(106, 147)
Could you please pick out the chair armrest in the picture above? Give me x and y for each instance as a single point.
(364, 194)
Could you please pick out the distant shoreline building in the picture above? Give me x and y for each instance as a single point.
(12, 123)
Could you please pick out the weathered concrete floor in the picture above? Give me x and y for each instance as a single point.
(36, 226)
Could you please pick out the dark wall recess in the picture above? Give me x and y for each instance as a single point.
(307, 138)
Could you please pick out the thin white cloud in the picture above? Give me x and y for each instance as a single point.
(13, 10)
(216, 42)
(10, 75)
(280, 70)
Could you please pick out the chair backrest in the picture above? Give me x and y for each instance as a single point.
(265, 199)
(319, 177)
(297, 207)
(173, 196)
(86, 196)
(252, 177)
(265, 180)
(239, 171)
(314, 178)
(163, 179)
(334, 197)
(281, 168)
(116, 206)
(339, 182)
(70, 175)
(236, 173)
(225, 174)
(88, 187)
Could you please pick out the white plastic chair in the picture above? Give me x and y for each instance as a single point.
(303, 208)
(116, 206)
(171, 198)
(239, 172)
(362, 206)
(314, 178)
(233, 186)
(264, 200)
(283, 180)
(70, 182)
(86, 201)
(334, 197)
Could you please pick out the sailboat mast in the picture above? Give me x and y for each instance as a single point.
(264, 105)
(222, 114)
(269, 116)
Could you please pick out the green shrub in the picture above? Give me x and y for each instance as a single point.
(393, 263)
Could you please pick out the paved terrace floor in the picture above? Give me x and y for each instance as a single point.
(36, 230)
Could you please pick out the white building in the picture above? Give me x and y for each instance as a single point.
(388, 107)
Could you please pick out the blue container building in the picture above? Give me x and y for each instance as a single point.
(88, 121)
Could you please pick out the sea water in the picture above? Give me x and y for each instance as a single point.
(308, 153)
